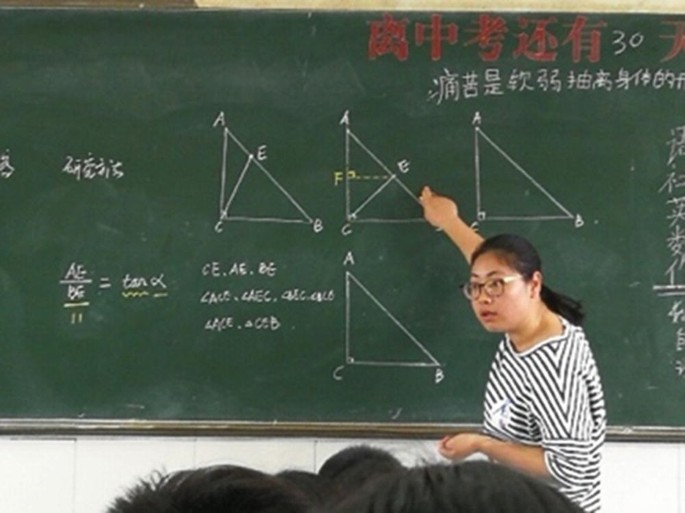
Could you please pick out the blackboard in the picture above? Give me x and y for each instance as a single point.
(211, 216)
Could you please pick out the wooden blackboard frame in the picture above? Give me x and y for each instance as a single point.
(414, 431)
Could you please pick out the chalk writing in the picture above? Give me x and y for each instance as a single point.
(547, 206)
(676, 145)
(455, 86)
(142, 286)
(677, 313)
(373, 185)
(76, 280)
(254, 162)
(258, 295)
(389, 36)
(92, 167)
(80, 283)
(680, 340)
(6, 168)
(340, 177)
(677, 38)
(437, 33)
(247, 289)
(216, 269)
(357, 342)
(623, 42)
(533, 39)
(675, 240)
(680, 368)
(263, 323)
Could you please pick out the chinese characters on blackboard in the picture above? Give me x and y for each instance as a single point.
(675, 242)
(542, 39)
(6, 167)
(86, 168)
(91, 167)
(454, 86)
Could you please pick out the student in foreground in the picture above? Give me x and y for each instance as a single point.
(544, 404)
(216, 489)
(355, 467)
(469, 487)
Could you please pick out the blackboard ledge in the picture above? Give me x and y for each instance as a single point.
(212, 428)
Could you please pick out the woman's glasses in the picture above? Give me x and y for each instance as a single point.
(494, 287)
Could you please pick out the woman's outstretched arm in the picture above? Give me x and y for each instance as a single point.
(443, 213)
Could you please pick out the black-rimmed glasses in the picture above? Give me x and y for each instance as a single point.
(494, 287)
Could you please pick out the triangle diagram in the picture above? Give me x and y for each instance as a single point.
(374, 192)
(374, 336)
(507, 191)
(250, 192)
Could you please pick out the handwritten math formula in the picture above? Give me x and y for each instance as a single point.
(82, 287)
(231, 288)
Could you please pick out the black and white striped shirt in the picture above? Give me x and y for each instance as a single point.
(551, 396)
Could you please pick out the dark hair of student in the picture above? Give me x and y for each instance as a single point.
(520, 254)
(355, 467)
(469, 487)
(315, 487)
(217, 489)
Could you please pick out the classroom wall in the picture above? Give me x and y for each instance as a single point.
(83, 474)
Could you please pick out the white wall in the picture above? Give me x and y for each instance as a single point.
(82, 475)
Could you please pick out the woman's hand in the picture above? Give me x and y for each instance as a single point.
(461, 446)
(438, 210)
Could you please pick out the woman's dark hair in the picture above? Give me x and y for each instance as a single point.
(521, 255)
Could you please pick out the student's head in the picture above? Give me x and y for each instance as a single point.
(470, 487)
(356, 466)
(315, 487)
(218, 489)
(506, 285)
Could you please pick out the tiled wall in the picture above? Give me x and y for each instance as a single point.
(82, 475)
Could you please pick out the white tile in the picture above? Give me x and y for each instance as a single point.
(105, 468)
(641, 477)
(265, 454)
(84, 475)
(36, 475)
(681, 475)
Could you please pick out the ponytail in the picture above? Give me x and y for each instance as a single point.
(567, 307)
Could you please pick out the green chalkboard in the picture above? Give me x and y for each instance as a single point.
(211, 216)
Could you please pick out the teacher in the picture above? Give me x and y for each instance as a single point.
(544, 410)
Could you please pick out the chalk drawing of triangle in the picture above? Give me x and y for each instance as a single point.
(250, 192)
(508, 192)
(374, 336)
(376, 193)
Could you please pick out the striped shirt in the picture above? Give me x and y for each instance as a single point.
(551, 396)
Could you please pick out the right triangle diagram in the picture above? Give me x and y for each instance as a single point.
(374, 336)
(507, 191)
(375, 192)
